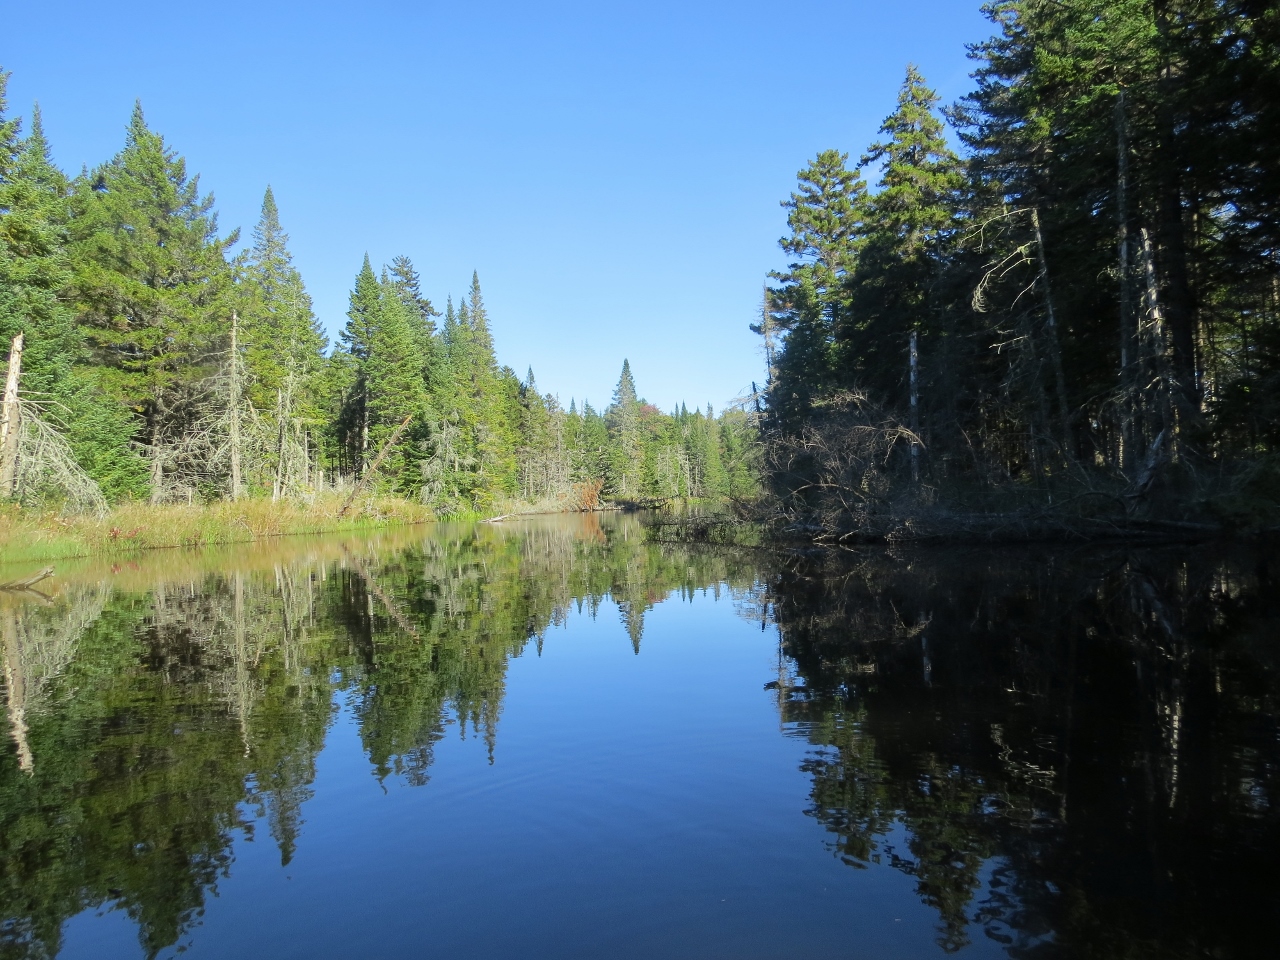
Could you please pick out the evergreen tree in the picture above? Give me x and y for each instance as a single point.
(281, 334)
(393, 383)
(152, 285)
(420, 312)
(34, 272)
(364, 314)
(33, 263)
(826, 219)
(893, 290)
(626, 458)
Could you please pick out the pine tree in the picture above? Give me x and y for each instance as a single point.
(911, 214)
(34, 267)
(420, 312)
(623, 418)
(393, 384)
(281, 334)
(364, 314)
(481, 336)
(826, 220)
(152, 286)
(34, 273)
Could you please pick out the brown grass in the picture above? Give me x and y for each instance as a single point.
(28, 535)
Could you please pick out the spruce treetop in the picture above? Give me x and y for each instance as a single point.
(409, 287)
(624, 394)
(921, 174)
(478, 320)
(9, 130)
(825, 215)
(35, 161)
(363, 313)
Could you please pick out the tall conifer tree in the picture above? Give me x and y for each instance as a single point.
(364, 314)
(152, 284)
(280, 331)
(893, 290)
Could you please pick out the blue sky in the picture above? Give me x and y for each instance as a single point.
(612, 170)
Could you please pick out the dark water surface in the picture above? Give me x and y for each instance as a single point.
(555, 739)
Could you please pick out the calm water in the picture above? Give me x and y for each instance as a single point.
(555, 739)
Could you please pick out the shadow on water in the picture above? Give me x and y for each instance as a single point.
(1070, 754)
(1096, 732)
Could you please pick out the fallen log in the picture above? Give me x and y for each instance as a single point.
(373, 467)
(28, 582)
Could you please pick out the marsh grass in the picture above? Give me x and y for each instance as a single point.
(27, 535)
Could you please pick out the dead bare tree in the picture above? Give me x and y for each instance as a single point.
(836, 473)
(46, 467)
(10, 419)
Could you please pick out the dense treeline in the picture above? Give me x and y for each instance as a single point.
(1083, 299)
(159, 365)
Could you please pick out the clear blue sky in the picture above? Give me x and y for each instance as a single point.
(612, 170)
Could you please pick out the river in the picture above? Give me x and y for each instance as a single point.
(555, 738)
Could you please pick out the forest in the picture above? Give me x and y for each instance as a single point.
(1054, 301)
(1059, 295)
(152, 362)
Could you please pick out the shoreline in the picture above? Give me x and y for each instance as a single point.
(27, 537)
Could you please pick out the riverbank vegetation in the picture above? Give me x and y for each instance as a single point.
(1068, 326)
(151, 362)
(37, 535)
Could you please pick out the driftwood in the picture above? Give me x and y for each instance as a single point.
(28, 582)
(377, 462)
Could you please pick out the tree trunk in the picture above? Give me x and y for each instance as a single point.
(277, 487)
(157, 467)
(1178, 304)
(10, 421)
(235, 406)
(16, 688)
(1157, 333)
(1128, 319)
(1055, 346)
(377, 462)
(915, 407)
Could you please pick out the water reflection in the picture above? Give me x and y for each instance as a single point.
(171, 702)
(1069, 755)
(1082, 749)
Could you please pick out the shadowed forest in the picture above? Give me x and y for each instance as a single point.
(1057, 299)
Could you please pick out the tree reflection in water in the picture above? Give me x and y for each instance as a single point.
(158, 708)
(1076, 755)
(1094, 734)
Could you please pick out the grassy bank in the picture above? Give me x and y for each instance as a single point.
(30, 536)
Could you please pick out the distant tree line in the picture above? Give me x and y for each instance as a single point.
(1087, 291)
(158, 365)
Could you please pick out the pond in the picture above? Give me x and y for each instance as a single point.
(557, 738)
